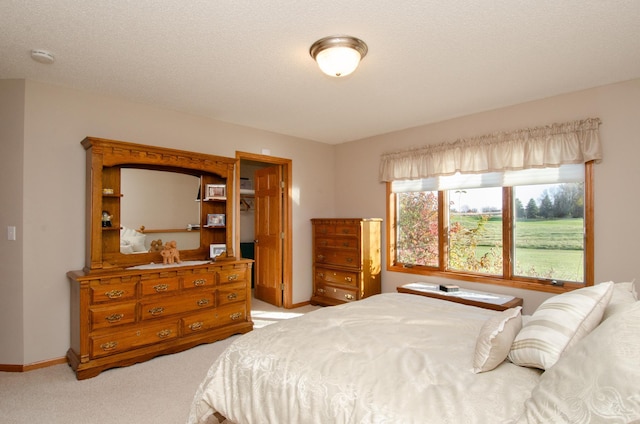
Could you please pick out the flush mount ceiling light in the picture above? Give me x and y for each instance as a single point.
(42, 56)
(338, 56)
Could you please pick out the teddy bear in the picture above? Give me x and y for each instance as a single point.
(170, 253)
(156, 245)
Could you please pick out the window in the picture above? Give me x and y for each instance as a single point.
(529, 228)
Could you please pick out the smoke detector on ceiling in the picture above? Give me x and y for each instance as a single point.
(42, 56)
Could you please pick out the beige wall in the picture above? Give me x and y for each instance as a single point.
(11, 198)
(616, 178)
(43, 188)
(51, 227)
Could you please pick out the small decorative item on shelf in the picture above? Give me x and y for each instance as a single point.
(107, 191)
(216, 192)
(216, 250)
(156, 246)
(106, 219)
(170, 253)
(215, 220)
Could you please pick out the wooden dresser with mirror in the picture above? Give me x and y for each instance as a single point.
(127, 305)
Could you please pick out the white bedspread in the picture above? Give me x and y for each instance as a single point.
(391, 358)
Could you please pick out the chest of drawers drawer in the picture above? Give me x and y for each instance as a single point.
(339, 257)
(336, 276)
(337, 293)
(339, 242)
(169, 305)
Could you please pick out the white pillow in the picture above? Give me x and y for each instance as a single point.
(557, 324)
(622, 297)
(596, 381)
(495, 339)
(133, 238)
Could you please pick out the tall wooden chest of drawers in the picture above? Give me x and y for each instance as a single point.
(123, 317)
(346, 259)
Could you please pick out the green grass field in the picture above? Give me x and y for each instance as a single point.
(544, 248)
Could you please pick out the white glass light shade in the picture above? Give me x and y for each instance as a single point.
(338, 56)
(338, 61)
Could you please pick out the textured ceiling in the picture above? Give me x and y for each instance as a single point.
(247, 62)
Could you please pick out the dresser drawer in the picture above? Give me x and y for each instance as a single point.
(132, 338)
(195, 280)
(160, 285)
(112, 291)
(337, 293)
(339, 277)
(232, 313)
(199, 322)
(346, 258)
(113, 315)
(169, 305)
(231, 275)
(230, 293)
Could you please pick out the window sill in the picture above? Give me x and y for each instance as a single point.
(527, 284)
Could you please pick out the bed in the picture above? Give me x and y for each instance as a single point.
(401, 358)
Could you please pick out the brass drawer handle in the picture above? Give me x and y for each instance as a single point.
(345, 244)
(345, 231)
(114, 318)
(161, 287)
(114, 294)
(321, 274)
(199, 282)
(164, 334)
(348, 296)
(320, 290)
(235, 316)
(232, 296)
(232, 277)
(156, 311)
(196, 326)
(203, 302)
(320, 257)
(349, 260)
(109, 346)
(348, 279)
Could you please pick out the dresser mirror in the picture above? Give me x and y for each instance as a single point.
(158, 205)
(140, 194)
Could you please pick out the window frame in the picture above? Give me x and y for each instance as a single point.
(507, 279)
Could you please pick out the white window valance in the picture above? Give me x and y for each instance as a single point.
(540, 147)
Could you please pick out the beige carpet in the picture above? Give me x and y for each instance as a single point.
(158, 391)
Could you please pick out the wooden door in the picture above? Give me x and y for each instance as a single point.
(268, 235)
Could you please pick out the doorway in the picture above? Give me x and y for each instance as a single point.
(273, 266)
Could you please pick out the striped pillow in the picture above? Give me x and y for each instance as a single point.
(558, 324)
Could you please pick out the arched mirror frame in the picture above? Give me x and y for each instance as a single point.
(105, 159)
